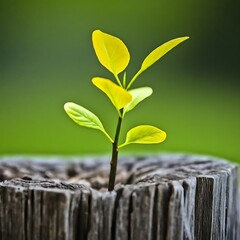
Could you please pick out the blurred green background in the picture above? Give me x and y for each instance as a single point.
(47, 59)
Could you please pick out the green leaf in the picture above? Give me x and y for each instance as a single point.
(84, 117)
(161, 51)
(144, 134)
(138, 95)
(111, 51)
(118, 95)
(156, 54)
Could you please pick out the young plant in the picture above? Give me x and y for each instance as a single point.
(113, 55)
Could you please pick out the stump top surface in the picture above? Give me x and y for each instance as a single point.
(75, 173)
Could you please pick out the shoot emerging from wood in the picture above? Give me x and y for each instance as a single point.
(114, 55)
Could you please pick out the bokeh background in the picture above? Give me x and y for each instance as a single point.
(47, 59)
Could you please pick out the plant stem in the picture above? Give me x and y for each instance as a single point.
(134, 78)
(114, 159)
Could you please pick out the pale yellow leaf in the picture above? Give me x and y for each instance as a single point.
(155, 55)
(111, 51)
(118, 95)
(84, 117)
(144, 134)
(138, 95)
(160, 51)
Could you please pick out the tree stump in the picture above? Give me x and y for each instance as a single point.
(157, 197)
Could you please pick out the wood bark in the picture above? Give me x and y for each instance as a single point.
(162, 197)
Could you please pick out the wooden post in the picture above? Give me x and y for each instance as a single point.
(162, 197)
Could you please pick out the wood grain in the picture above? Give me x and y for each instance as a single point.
(162, 197)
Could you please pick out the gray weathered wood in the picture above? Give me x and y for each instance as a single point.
(169, 197)
(175, 212)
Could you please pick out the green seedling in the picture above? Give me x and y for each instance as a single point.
(114, 55)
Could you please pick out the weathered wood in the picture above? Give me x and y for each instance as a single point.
(175, 212)
(142, 205)
(171, 197)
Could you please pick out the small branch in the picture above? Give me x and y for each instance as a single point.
(134, 78)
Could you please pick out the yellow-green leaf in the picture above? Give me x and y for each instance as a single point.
(155, 55)
(84, 117)
(160, 51)
(111, 51)
(118, 95)
(138, 95)
(144, 134)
